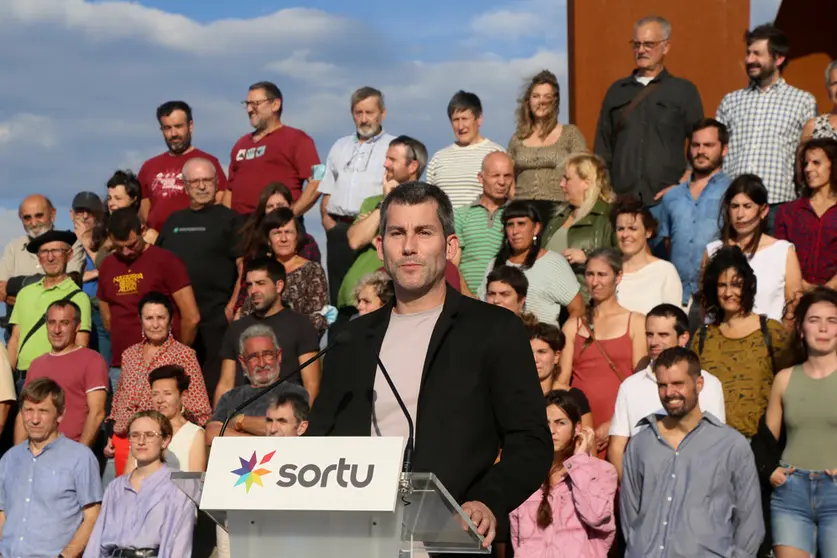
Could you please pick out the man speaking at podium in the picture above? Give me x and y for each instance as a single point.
(464, 370)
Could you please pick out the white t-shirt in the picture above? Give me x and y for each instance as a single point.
(654, 284)
(403, 352)
(638, 397)
(454, 169)
(769, 264)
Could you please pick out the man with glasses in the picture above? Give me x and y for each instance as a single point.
(18, 266)
(260, 355)
(647, 118)
(204, 237)
(273, 152)
(161, 177)
(404, 161)
(354, 172)
(29, 338)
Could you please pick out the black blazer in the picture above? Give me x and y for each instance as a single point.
(479, 393)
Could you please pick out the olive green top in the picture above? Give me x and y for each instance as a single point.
(539, 169)
(810, 421)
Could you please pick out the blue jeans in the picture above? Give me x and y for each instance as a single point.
(804, 513)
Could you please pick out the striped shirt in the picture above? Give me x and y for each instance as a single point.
(454, 169)
(552, 284)
(765, 128)
(480, 237)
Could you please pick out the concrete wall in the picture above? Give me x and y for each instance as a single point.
(707, 47)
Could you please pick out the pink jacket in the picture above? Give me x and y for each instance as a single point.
(583, 522)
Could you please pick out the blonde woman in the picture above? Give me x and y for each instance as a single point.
(540, 144)
(582, 223)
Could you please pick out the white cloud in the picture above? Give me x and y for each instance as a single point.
(522, 20)
(28, 129)
(506, 23)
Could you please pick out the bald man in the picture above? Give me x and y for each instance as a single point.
(204, 238)
(479, 225)
(18, 267)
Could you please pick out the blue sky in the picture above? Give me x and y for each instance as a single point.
(81, 79)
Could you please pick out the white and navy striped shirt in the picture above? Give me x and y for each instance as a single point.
(454, 169)
(765, 128)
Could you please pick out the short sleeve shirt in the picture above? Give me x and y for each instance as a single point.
(240, 394)
(122, 285)
(161, 178)
(285, 155)
(31, 305)
(78, 373)
(295, 332)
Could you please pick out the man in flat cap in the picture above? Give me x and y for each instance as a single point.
(29, 338)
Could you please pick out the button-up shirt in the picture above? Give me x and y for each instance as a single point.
(699, 500)
(815, 238)
(765, 127)
(17, 261)
(43, 496)
(690, 224)
(354, 172)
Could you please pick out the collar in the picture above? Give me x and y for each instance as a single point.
(478, 202)
(648, 371)
(373, 139)
(150, 482)
(49, 446)
(780, 84)
(62, 286)
(706, 417)
(712, 179)
(662, 76)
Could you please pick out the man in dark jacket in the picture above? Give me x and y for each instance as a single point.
(463, 368)
(646, 119)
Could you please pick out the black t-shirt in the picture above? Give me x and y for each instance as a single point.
(206, 242)
(297, 336)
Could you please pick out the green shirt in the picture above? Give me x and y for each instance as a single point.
(480, 236)
(366, 262)
(31, 304)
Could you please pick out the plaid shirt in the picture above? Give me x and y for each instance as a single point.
(765, 128)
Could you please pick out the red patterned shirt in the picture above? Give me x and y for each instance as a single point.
(133, 393)
(815, 238)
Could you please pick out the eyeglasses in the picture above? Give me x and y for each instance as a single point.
(203, 181)
(266, 356)
(44, 252)
(647, 45)
(256, 104)
(138, 436)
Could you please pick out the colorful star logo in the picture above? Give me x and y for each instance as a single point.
(248, 475)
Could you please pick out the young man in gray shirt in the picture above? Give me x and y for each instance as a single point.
(689, 484)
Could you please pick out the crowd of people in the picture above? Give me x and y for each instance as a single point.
(676, 282)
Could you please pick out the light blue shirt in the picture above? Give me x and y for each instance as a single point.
(354, 171)
(43, 496)
(690, 224)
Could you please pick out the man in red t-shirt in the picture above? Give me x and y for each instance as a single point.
(81, 372)
(272, 153)
(161, 177)
(134, 269)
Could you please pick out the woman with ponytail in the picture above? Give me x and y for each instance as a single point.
(572, 515)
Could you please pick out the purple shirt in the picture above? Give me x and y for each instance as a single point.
(159, 515)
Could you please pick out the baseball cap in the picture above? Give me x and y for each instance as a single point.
(88, 201)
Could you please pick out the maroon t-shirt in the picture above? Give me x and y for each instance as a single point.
(161, 179)
(285, 155)
(78, 373)
(122, 286)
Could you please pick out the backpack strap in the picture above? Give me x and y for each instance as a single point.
(701, 338)
(768, 341)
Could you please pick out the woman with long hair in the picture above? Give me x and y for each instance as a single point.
(306, 289)
(144, 513)
(552, 285)
(541, 144)
(251, 241)
(647, 281)
(582, 222)
(810, 222)
(803, 504)
(740, 347)
(608, 343)
(743, 222)
(572, 515)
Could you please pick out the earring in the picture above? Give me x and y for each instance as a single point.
(535, 239)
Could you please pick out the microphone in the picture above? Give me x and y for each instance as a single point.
(407, 467)
(341, 337)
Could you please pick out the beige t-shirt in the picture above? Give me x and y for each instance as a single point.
(7, 382)
(402, 352)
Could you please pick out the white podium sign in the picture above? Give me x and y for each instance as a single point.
(307, 473)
